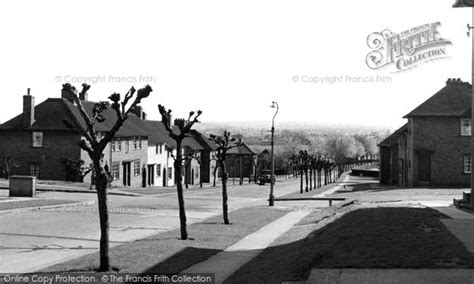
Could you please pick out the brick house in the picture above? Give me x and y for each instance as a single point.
(433, 148)
(40, 141)
(240, 162)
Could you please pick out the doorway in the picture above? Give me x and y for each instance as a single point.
(424, 167)
(126, 173)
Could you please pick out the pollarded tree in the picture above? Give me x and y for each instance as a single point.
(224, 144)
(9, 164)
(182, 130)
(94, 144)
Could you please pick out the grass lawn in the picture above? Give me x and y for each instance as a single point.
(7, 205)
(166, 253)
(390, 237)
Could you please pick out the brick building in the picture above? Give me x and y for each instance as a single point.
(433, 148)
(40, 141)
(240, 162)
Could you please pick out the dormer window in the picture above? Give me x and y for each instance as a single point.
(465, 127)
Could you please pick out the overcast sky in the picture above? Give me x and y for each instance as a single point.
(229, 58)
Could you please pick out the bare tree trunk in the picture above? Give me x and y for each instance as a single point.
(179, 187)
(241, 172)
(215, 176)
(224, 193)
(101, 187)
(306, 178)
(186, 174)
(200, 175)
(310, 179)
(301, 181)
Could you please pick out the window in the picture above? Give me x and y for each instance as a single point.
(158, 170)
(170, 173)
(134, 145)
(159, 148)
(139, 143)
(467, 165)
(136, 168)
(119, 146)
(465, 127)
(127, 146)
(116, 170)
(34, 170)
(37, 139)
(112, 147)
(196, 172)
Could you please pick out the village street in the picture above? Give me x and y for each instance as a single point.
(34, 239)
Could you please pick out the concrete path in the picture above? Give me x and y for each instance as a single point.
(336, 188)
(225, 263)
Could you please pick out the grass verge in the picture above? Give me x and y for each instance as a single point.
(366, 238)
(166, 253)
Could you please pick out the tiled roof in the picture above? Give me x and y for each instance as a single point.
(390, 140)
(242, 149)
(205, 142)
(49, 115)
(452, 100)
(157, 133)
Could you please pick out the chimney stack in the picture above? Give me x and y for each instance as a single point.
(138, 111)
(28, 110)
(67, 96)
(83, 97)
(180, 122)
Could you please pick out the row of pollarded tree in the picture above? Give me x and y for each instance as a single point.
(316, 169)
(94, 144)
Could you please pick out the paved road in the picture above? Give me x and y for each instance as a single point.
(33, 240)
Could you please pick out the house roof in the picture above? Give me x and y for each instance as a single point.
(193, 143)
(390, 140)
(157, 133)
(452, 100)
(49, 115)
(205, 142)
(242, 149)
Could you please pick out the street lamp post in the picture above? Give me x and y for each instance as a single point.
(271, 198)
(470, 4)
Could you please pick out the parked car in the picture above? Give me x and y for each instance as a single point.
(264, 177)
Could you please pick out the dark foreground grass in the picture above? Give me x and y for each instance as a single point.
(365, 238)
(166, 253)
(8, 205)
